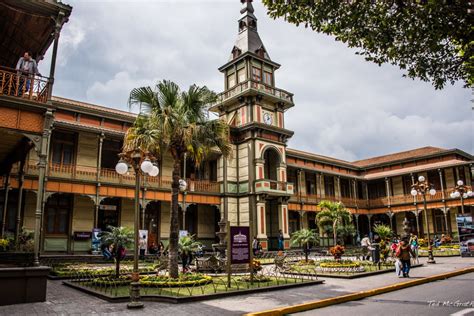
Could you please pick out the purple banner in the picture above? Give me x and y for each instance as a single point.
(239, 244)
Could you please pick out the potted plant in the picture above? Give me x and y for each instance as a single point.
(337, 251)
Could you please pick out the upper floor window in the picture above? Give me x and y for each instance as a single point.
(230, 81)
(241, 76)
(345, 187)
(292, 177)
(310, 184)
(110, 150)
(256, 74)
(63, 146)
(377, 189)
(267, 78)
(329, 186)
(434, 179)
(407, 183)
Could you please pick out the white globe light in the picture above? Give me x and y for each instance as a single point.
(421, 179)
(452, 195)
(465, 196)
(457, 194)
(182, 185)
(154, 171)
(460, 182)
(146, 166)
(432, 191)
(469, 193)
(414, 192)
(121, 168)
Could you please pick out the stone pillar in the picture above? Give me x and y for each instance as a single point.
(369, 217)
(42, 162)
(261, 224)
(417, 213)
(281, 172)
(259, 169)
(283, 222)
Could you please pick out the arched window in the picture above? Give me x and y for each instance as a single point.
(272, 162)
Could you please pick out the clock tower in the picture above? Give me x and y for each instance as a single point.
(254, 181)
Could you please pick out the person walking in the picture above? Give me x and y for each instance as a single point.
(404, 253)
(365, 244)
(142, 246)
(255, 246)
(414, 246)
(281, 240)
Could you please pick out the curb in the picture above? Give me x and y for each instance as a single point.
(358, 295)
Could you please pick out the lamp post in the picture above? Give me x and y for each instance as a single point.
(461, 191)
(182, 188)
(141, 162)
(422, 187)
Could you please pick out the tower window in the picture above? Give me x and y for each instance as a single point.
(230, 81)
(267, 78)
(256, 74)
(241, 75)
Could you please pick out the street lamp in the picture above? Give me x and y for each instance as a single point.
(183, 185)
(461, 191)
(422, 187)
(141, 162)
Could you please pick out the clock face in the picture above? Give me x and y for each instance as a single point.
(267, 118)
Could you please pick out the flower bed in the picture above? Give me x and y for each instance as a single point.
(155, 281)
(72, 270)
(341, 266)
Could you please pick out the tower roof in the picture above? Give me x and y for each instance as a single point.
(248, 39)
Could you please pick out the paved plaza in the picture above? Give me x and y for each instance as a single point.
(62, 300)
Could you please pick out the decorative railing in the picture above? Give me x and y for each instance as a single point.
(274, 187)
(372, 203)
(17, 84)
(260, 87)
(85, 173)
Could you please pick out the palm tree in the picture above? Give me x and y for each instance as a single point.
(177, 122)
(334, 214)
(187, 245)
(304, 237)
(384, 231)
(121, 238)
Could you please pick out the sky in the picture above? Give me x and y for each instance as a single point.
(345, 107)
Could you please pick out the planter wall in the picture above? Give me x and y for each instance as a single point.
(23, 285)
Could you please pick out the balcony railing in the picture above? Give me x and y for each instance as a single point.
(273, 187)
(31, 87)
(84, 173)
(377, 202)
(258, 86)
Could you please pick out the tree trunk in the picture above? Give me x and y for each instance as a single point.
(334, 232)
(117, 265)
(174, 222)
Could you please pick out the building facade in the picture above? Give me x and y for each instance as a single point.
(57, 159)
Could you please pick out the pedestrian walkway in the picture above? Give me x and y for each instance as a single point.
(62, 300)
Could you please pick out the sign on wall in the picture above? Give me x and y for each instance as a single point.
(466, 235)
(239, 244)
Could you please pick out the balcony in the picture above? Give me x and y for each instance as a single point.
(278, 95)
(316, 198)
(275, 188)
(14, 84)
(110, 176)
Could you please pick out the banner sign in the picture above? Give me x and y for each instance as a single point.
(108, 207)
(466, 235)
(96, 239)
(82, 235)
(239, 244)
(183, 233)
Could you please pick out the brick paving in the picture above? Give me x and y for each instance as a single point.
(62, 300)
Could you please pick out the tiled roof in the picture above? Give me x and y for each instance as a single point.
(94, 107)
(290, 151)
(409, 154)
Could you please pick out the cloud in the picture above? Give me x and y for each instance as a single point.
(345, 107)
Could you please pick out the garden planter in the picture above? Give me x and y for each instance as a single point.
(23, 284)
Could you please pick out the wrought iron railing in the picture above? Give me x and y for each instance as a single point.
(259, 86)
(17, 84)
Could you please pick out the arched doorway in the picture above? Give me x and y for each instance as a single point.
(272, 161)
(153, 222)
(272, 223)
(56, 223)
(109, 213)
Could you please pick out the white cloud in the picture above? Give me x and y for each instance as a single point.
(345, 106)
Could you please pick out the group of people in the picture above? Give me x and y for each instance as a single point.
(401, 249)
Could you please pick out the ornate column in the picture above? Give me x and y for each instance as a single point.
(59, 21)
(416, 213)
(440, 172)
(357, 225)
(21, 179)
(98, 178)
(445, 211)
(6, 188)
(390, 216)
(369, 216)
(387, 188)
(42, 162)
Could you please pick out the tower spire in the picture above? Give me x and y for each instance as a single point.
(248, 40)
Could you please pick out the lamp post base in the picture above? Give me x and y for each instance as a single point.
(431, 259)
(135, 296)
